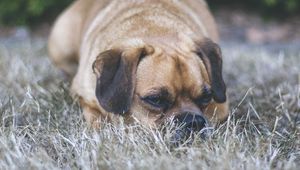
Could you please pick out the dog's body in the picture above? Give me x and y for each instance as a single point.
(133, 52)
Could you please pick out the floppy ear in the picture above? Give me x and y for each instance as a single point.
(211, 55)
(115, 70)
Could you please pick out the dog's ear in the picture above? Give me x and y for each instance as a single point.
(115, 70)
(211, 55)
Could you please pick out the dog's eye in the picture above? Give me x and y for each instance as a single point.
(205, 98)
(156, 101)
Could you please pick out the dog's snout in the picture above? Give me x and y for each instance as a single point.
(191, 122)
(189, 125)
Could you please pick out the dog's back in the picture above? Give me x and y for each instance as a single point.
(112, 19)
(157, 18)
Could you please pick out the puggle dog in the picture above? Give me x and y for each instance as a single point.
(145, 60)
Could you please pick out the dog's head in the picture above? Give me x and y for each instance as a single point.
(153, 84)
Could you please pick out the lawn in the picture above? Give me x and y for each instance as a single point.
(41, 126)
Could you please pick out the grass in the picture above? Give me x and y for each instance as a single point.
(41, 126)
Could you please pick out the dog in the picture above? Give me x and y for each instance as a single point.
(144, 60)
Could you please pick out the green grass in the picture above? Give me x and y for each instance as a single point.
(41, 126)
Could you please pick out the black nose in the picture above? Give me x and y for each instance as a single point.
(189, 124)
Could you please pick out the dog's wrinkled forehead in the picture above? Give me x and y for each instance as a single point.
(174, 71)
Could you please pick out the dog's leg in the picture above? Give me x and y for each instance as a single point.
(64, 39)
(92, 115)
(61, 45)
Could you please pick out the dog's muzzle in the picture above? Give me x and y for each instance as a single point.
(189, 124)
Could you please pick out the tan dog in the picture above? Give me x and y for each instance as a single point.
(144, 59)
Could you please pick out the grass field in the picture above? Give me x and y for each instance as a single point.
(41, 126)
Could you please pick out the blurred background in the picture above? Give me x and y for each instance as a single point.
(253, 21)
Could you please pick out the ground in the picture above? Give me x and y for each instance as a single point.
(41, 126)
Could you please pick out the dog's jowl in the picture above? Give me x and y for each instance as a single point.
(148, 60)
